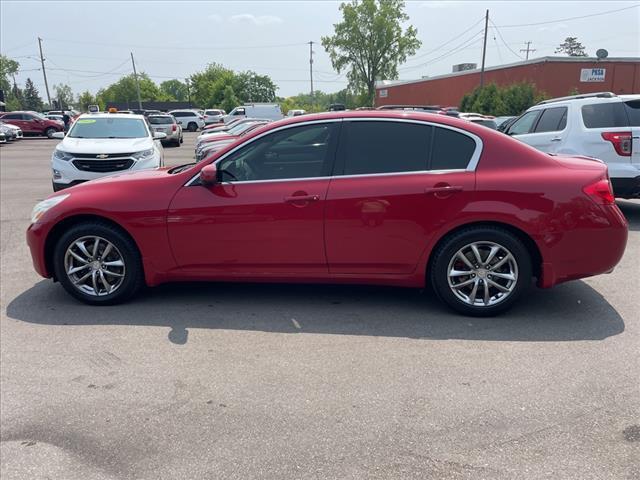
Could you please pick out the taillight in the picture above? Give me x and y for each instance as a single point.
(174, 127)
(621, 142)
(600, 192)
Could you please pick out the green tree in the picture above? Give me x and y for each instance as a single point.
(174, 90)
(63, 95)
(572, 47)
(229, 99)
(369, 42)
(31, 98)
(207, 87)
(251, 87)
(124, 90)
(8, 68)
(509, 100)
(85, 99)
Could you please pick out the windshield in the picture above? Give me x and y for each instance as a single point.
(109, 128)
(241, 128)
(160, 120)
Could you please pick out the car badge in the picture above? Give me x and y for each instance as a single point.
(102, 155)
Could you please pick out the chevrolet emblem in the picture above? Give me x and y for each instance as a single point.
(102, 155)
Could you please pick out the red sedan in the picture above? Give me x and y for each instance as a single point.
(376, 197)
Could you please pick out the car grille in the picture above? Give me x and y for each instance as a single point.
(102, 156)
(101, 166)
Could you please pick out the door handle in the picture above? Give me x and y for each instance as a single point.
(444, 189)
(556, 139)
(301, 198)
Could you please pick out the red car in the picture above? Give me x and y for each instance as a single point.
(375, 197)
(32, 123)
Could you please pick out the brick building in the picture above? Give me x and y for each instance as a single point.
(556, 76)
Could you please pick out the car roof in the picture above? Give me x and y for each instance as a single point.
(111, 115)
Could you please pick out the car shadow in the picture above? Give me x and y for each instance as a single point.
(568, 312)
(631, 210)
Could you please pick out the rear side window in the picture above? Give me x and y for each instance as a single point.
(178, 114)
(552, 120)
(633, 112)
(604, 115)
(385, 147)
(451, 150)
(13, 116)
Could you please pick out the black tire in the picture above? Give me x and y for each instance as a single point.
(176, 143)
(181, 139)
(192, 127)
(443, 255)
(49, 132)
(133, 279)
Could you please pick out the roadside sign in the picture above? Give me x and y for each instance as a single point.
(592, 74)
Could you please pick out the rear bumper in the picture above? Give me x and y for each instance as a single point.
(585, 252)
(626, 187)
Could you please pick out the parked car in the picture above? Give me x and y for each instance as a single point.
(55, 118)
(235, 129)
(188, 119)
(101, 144)
(270, 111)
(3, 137)
(232, 135)
(222, 126)
(9, 132)
(393, 198)
(601, 125)
(213, 116)
(168, 125)
(295, 112)
(206, 149)
(32, 123)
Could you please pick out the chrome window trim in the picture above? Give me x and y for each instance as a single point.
(471, 166)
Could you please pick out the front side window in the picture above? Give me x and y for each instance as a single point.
(109, 128)
(384, 147)
(524, 123)
(604, 115)
(552, 120)
(13, 116)
(178, 114)
(298, 152)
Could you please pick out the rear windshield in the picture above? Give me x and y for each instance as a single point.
(109, 128)
(605, 115)
(160, 120)
(212, 112)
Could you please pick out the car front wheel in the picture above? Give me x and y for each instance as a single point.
(98, 264)
(192, 127)
(49, 132)
(481, 271)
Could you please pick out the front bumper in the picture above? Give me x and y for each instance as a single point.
(65, 174)
(36, 238)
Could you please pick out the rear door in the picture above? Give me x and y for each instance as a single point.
(15, 119)
(395, 184)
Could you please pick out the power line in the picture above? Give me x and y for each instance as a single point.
(447, 42)
(462, 46)
(569, 18)
(528, 49)
(503, 41)
(165, 47)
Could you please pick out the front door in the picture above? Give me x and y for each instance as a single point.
(396, 184)
(265, 217)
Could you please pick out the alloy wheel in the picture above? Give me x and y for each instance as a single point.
(94, 266)
(482, 274)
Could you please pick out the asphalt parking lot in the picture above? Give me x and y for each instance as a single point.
(233, 381)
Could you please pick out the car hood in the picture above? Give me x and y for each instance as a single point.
(105, 145)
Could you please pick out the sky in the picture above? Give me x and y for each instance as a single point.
(87, 44)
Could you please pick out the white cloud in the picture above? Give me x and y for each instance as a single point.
(216, 18)
(255, 19)
(556, 27)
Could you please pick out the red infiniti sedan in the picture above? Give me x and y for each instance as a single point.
(376, 197)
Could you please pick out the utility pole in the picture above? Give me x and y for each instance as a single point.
(484, 47)
(311, 68)
(528, 49)
(44, 72)
(135, 74)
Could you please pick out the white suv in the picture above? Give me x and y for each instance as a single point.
(102, 144)
(188, 119)
(600, 125)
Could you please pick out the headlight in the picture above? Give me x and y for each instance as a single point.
(144, 154)
(62, 155)
(41, 208)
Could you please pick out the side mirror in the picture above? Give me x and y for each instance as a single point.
(209, 175)
(159, 135)
(58, 135)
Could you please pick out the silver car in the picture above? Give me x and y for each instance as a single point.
(213, 116)
(168, 125)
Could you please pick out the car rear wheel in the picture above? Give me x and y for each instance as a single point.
(192, 127)
(481, 271)
(98, 264)
(49, 132)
